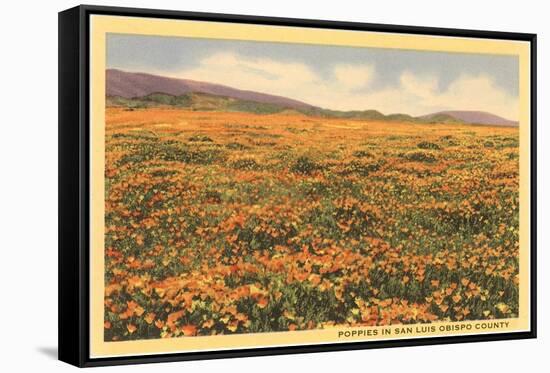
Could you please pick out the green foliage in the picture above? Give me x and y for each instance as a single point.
(420, 157)
(245, 164)
(236, 146)
(254, 107)
(362, 168)
(165, 99)
(362, 154)
(304, 165)
(428, 145)
(200, 138)
(173, 153)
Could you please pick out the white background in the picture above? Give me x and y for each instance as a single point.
(28, 184)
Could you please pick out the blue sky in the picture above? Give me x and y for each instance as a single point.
(336, 77)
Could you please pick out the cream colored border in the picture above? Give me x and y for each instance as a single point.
(100, 25)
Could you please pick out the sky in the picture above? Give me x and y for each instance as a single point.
(334, 77)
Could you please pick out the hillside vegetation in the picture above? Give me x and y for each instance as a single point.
(257, 219)
(207, 102)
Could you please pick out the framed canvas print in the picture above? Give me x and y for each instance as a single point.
(237, 186)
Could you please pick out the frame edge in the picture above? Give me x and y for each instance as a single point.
(70, 292)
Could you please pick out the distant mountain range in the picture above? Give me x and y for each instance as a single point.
(135, 90)
(131, 85)
(466, 116)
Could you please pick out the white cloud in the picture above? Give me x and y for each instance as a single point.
(423, 87)
(467, 92)
(481, 93)
(347, 88)
(353, 76)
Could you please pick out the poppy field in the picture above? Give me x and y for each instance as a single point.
(232, 222)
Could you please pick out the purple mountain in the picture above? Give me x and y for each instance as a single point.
(131, 85)
(474, 117)
(134, 85)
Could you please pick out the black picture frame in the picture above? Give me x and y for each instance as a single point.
(74, 177)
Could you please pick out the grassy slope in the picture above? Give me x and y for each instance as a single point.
(206, 102)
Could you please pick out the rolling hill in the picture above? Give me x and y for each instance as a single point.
(467, 116)
(140, 90)
(131, 85)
